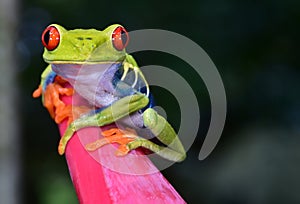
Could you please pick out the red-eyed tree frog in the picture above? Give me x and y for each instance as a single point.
(97, 66)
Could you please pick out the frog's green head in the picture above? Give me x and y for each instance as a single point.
(81, 46)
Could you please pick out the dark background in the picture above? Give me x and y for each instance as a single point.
(254, 45)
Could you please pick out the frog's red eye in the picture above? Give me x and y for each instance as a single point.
(50, 38)
(120, 38)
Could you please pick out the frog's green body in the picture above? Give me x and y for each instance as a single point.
(97, 65)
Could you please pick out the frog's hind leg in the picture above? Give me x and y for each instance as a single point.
(164, 132)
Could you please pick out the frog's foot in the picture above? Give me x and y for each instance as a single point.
(70, 112)
(52, 100)
(115, 135)
(64, 91)
(62, 113)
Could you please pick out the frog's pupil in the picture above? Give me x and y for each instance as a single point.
(123, 37)
(47, 37)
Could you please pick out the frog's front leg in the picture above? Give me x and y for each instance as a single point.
(107, 115)
(165, 133)
(51, 88)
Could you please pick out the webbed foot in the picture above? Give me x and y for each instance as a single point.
(52, 100)
(115, 135)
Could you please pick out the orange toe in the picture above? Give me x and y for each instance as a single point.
(62, 113)
(114, 135)
(122, 150)
(38, 92)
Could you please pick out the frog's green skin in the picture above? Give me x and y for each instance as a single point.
(76, 47)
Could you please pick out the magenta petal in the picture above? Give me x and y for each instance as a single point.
(95, 183)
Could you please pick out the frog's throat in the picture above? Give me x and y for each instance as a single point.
(94, 82)
(86, 72)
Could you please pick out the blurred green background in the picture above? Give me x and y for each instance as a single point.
(254, 45)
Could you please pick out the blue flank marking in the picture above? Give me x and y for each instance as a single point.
(98, 110)
(124, 90)
(127, 90)
(117, 76)
(151, 103)
(50, 78)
